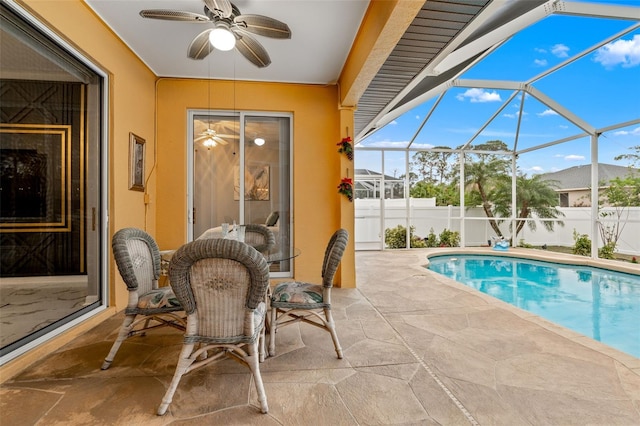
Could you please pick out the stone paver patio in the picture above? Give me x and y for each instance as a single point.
(418, 349)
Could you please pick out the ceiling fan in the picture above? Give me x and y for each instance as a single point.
(230, 29)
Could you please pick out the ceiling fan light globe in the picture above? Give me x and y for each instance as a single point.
(222, 39)
(258, 141)
(209, 143)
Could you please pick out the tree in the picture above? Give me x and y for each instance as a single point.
(633, 157)
(433, 166)
(423, 163)
(621, 194)
(534, 196)
(445, 194)
(483, 176)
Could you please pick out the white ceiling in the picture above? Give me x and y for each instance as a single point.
(322, 34)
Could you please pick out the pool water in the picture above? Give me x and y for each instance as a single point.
(599, 303)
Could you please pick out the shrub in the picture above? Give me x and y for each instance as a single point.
(606, 251)
(432, 239)
(449, 238)
(582, 244)
(523, 244)
(397, 238)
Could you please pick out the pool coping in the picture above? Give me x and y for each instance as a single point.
(627, 360)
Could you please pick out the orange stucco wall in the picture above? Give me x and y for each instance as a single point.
(131, 109)
(317, 166)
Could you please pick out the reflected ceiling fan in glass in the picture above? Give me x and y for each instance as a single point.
(229, 29)
(212, 131)
(210, 138)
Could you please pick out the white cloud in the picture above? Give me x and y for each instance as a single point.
(515, 114)
(563, 126)
(540, 62)
(574, 157)
(393, 123)
(417, 117)
(536, 169)
(540, 50)
(560, 50)
(634, 132)
(479, 95)
(620, 52)
(546, 113)
(422, 145)
(389, 144)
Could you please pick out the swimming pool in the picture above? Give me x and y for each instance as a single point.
(599, 303)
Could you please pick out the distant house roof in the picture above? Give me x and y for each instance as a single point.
(579, 177)
(364, 173)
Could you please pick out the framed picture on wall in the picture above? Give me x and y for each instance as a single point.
(136, 162)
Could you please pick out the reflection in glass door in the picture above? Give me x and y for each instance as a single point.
(50, 186)
(241, 173)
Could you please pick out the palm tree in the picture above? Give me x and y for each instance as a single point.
(534, 196)
(483, 177)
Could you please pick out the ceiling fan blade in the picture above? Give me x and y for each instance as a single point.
(253, 51)
(200, 47)
(212, 134)
(173, 15)
(222, 7)
(263, 25)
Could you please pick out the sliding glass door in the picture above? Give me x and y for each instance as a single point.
(50, 185)
(240, 172)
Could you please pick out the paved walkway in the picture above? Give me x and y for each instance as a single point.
(418, 349)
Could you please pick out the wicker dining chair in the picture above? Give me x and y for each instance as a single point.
(295, 301)
(150, 306)
(222, 285)
(259, 237)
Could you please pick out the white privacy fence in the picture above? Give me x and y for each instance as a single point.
(424, 215)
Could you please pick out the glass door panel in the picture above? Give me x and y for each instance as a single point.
(267, 144)
(257, 147)
(216, 158)
(50, 186)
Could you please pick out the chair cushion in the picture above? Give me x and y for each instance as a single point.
(259, 314)
(272, 219)
(160, 298)
(297, 292)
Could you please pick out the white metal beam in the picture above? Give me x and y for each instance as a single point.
(597, 10)
(561, 110)
(618, 126)
(494, 37)
(489, 84)
(384, 117)
(557, 142)
(487, 122)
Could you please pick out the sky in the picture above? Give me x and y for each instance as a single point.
(601, 88)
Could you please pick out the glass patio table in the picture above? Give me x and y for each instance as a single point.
(273, 255)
